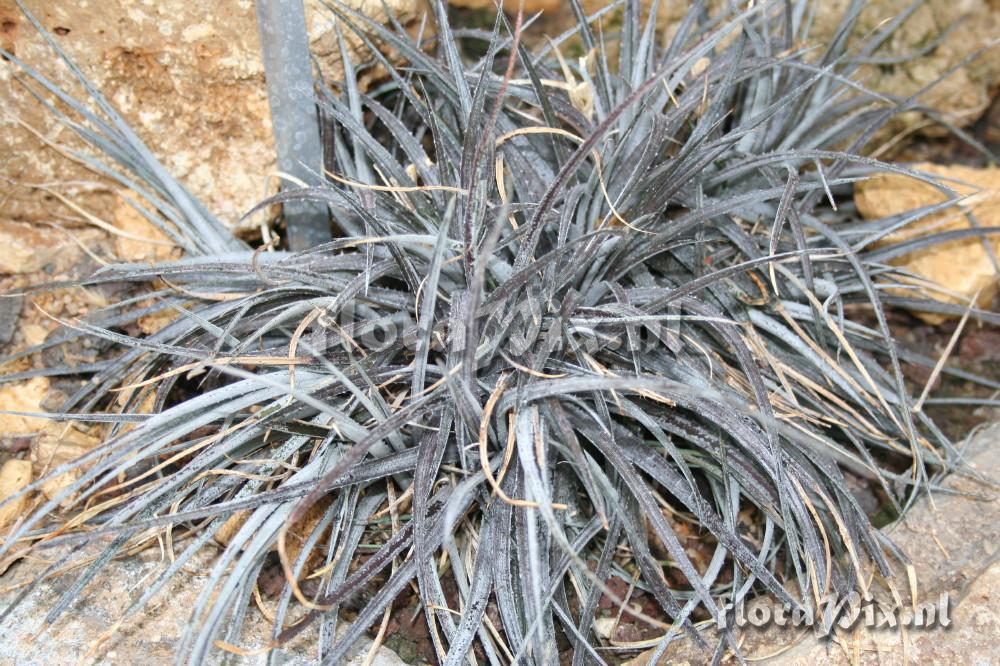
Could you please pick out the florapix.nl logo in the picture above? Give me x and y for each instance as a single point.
(845, 612)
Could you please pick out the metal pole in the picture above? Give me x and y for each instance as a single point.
(284, 44)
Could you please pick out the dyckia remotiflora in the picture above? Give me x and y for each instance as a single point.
(571, 304)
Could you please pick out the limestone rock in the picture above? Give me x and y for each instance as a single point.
(151, 637)
(59, 445)
(34, 334)
(22, 397)
(14, 476)
(188, 78)
(971, 26)
(153, 323)
(28, 248)
(963, 266)
(139, 239)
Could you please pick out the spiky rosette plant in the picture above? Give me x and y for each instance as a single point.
(571, 304)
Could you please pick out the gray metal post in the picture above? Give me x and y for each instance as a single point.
(284, 44)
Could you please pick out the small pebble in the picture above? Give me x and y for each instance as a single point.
(10, 311)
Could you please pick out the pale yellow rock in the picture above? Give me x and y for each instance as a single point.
(34, 334)
(965, 93)
(961, 266)
(604, 626)
(153, 323)
(145, 407)
(140, 240)
(27, 248)
(699, 66)
(15, 475)
(57, 446)
(23, 397)
(188, 78)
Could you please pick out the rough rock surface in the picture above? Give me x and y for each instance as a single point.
(22, 397)
(186, 75)
(14, 475)
(10, 310)
(29, 248)
(138, 240)
(963, 267)
(954, 546)
(79, 636)
(964, 28)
